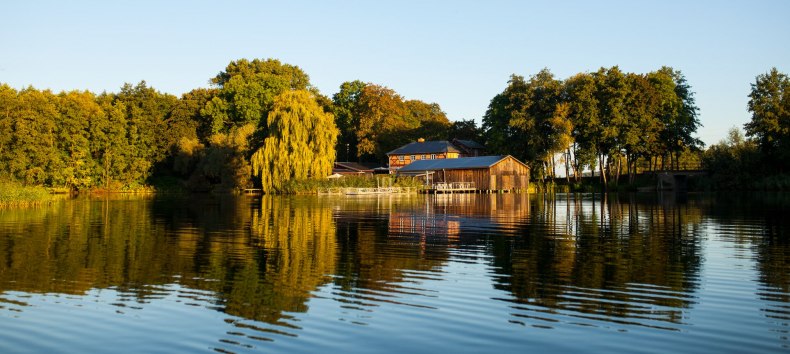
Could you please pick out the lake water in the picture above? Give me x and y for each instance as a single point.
(398, 274)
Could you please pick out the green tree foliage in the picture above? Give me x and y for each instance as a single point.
(300, 144)
(78, 140)
(109, 145)
(224, 163)
(608, 118)
(639, 132)
(501, 136)
(580, 94)
(381, 113)
(146, 112)
(465, 130)
(186, 120)
(431, 121)
(77, 111)
(610, 93)
(8, 109)
(374, 120)
(732, 161)
(769, 103)
(532, 115)
(680, 118)
(247, 90)
(33, 156)
(345, 103)
(121, 140)
(207, 136)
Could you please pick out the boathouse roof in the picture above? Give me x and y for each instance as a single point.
(462, 163)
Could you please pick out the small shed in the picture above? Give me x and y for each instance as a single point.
(486, 173)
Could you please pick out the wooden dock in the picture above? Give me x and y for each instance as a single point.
(365, 190)
(451, 187)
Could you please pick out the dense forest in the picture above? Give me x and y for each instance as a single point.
(261, 124)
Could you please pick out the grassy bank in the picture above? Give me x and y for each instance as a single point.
(14, 194)
(312, 186)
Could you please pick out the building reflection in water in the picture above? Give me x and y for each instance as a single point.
(629, 260)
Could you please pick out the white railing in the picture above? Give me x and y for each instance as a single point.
(454, 186)
(366, 190)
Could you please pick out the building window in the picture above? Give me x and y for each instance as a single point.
(400, 158)
(412, 158)
(433, 156)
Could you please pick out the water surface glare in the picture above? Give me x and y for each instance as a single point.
(505, 273)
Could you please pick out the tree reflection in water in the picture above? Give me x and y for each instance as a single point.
(631, 260)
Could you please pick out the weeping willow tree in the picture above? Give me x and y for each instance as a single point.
(300, 143)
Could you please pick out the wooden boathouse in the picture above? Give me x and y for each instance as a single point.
(471, 174)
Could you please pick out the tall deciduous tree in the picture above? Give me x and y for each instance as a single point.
(146, 112)
(382, 115)
(345, 103)
(109, 145)
(300, 144)
(8, 108)
(186, 120)
(78, 110)
(531, 115)
(581, 96)
(680, 119)
(431, 121)
(501, 136)
(639, 133)
(611, 92)
(769, 103)
(34, 154)
(247, 90)
(374, 119)
(466, 130)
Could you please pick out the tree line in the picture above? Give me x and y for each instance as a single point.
(608, 118)
(261, 123)
(760, 158)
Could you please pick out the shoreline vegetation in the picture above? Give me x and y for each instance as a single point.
(16, 195)
(262, 125)
(13, 194)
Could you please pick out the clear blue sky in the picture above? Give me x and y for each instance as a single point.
(455, 53)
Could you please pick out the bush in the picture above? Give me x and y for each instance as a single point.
(313, 186)
(14, 194)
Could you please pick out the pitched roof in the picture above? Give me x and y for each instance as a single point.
(426, 147)
(352, 166)
(453, 164)
(471, 144)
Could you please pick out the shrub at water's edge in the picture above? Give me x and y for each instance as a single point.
(13, 194)
(313, 186)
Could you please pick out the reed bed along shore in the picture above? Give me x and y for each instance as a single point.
(14, 195)
(313, 186)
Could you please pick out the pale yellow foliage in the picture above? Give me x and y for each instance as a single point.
(301, 142)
